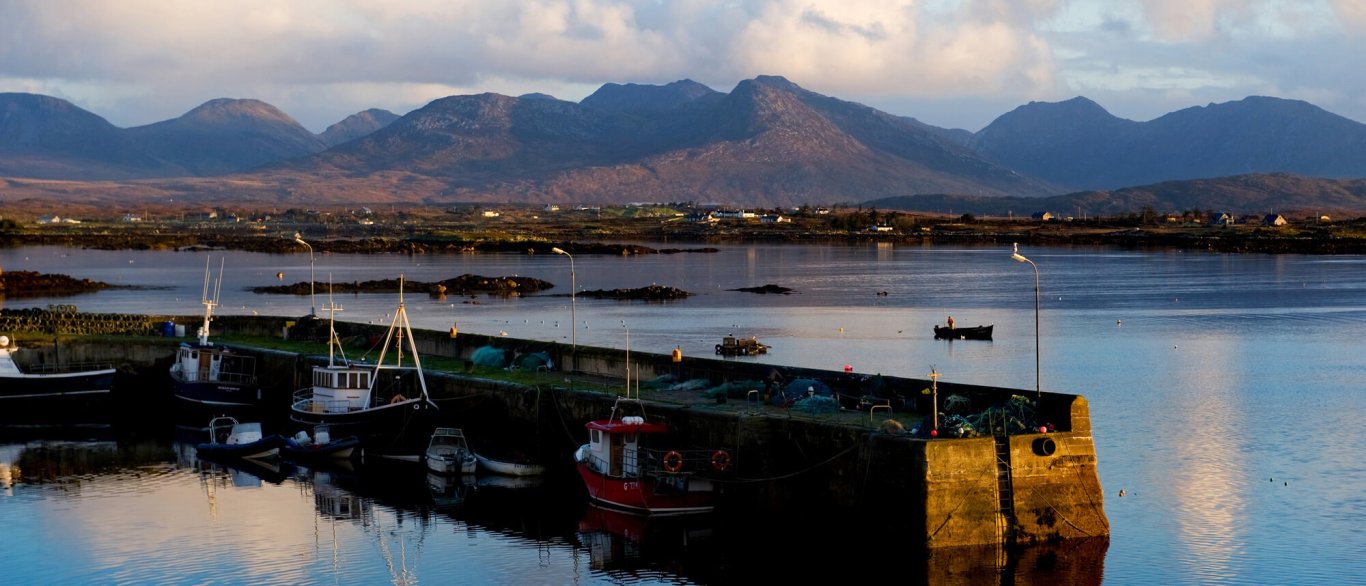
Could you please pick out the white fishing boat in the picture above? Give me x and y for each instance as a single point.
(384, 403)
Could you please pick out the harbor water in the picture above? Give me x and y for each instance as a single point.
(1226, 395)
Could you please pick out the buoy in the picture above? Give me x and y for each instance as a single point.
(934, 433)
(1121, 492)
(280, 276)
(1043, 429)
(848, 368)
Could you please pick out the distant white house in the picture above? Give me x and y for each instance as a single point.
(491, 213)
(734, 215)
(773, 219)
(55, 219)
(550, 207)
(132, 218)
(880, 228)
(1274, 220)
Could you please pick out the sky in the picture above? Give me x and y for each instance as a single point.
(950, 63)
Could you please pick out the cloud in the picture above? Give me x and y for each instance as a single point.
(141, 61)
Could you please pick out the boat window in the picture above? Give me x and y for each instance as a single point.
(596, 438)
(631, 438)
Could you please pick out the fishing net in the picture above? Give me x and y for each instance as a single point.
(489, 356)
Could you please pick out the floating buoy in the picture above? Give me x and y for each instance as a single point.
(280, 276)
(848, 368)
(1121, 492)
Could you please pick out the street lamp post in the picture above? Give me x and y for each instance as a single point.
(1038, 391)
(312, 303)
(573, 319)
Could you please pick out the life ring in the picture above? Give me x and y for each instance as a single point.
(397, 399)
(673, 461)
(720, 460)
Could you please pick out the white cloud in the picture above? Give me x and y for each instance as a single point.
(140, 61)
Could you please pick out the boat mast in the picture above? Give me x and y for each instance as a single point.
(402, 327)
(209, 302)
(333, 342)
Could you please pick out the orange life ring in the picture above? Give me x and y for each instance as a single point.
(673, 461)
(720, 460)
(397, 399)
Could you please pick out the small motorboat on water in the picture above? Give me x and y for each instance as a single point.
(448, 453)
(508, 467)
(229, 438)
(967, 333)
(320, 446)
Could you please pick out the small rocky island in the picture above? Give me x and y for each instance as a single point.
(466, 284)
(35, 284)
(765, 290)
(650, 293)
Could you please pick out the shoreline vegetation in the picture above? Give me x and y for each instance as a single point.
(615, 231)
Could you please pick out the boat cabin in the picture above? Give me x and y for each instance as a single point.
(195, 363)
(614, 447)
(339, 389)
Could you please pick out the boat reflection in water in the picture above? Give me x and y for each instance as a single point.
(623, 542)
(360, 522)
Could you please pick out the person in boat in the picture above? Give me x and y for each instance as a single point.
(950, 322)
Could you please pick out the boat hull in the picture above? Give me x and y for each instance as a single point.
(394, 429)
(645, 495)
(265, 448)
(508, 468)
(341, 449)
(57, 398)
(972, 333)
(213, 395)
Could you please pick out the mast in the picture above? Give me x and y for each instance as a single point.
(333, 342)
(208, 301)
(399, 329)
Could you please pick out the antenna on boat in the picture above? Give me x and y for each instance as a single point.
(209, 302)
(333, 342)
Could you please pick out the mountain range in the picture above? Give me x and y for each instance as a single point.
(767, 142)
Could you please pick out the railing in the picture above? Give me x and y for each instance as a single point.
(66, 368)
(304, 401)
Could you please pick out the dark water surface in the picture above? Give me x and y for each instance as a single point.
(1226, 394)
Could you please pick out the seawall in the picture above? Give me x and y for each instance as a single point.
(1001, 484)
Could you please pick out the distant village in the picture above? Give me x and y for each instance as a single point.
(848, 218)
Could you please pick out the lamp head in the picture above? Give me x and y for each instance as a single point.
(557, 250)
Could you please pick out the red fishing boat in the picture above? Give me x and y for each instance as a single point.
(621, 470)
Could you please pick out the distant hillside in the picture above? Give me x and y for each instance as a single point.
(42, 136)
(1078, 144)
(766, 143)
(1239, 195)
(356, 126)
(226, 136)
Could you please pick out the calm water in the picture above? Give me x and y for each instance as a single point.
(1226, 396)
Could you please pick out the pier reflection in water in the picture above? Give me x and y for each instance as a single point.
(149, 511)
